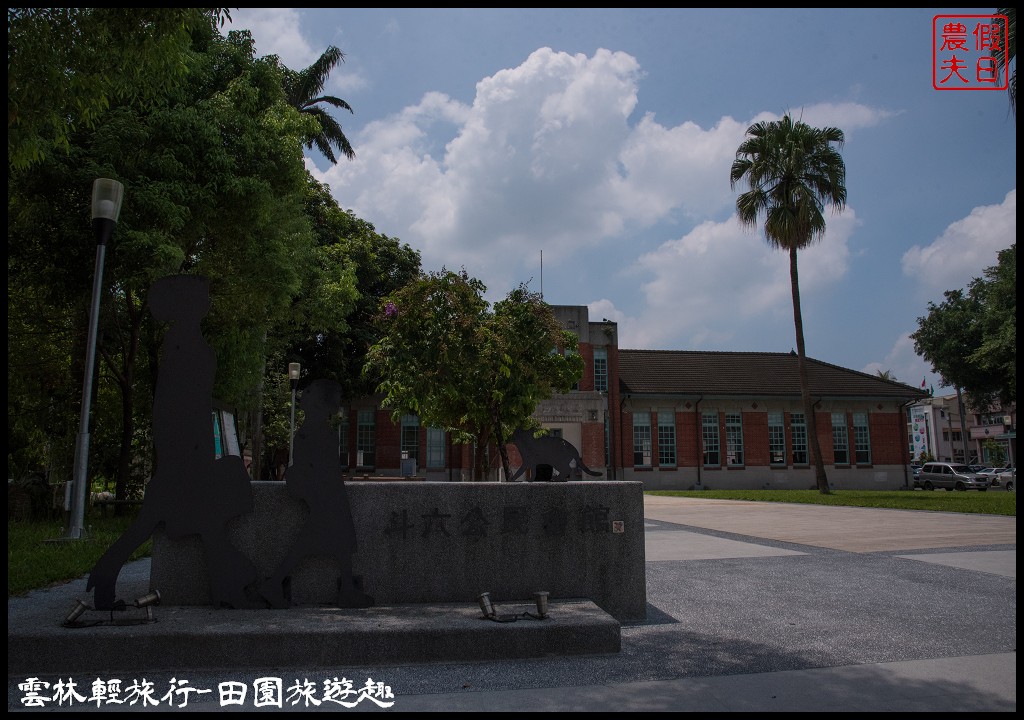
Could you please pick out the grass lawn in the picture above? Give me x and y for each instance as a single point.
(32, 562)
(992, 502)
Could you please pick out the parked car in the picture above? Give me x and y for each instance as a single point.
(915, 470)
(951, 476)
(1006, 479)
(989, 472)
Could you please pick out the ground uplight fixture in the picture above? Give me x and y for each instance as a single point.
(541, 599)
(107, 195)
(76, 612)
(147, 600)
(486, 606)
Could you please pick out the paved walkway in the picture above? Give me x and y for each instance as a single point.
(752, 607)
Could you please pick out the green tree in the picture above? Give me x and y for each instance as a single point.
(886, 375)
(333, 334)
(66, 66)
(971, 338)
(995, 453)
(304, 88)
(477, 372)
(214, 182)
(996, 356)
(792, 170)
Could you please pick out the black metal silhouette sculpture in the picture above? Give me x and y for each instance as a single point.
(315, 478)
(192, 492)
(558, 453)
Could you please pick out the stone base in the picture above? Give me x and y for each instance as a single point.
(425, 542)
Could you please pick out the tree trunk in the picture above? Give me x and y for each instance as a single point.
(963, 427)
(502, 449)
(805, 391)
(125, 376)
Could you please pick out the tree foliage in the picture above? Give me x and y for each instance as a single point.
(475, 371)
(304, 88)
(792, 170)
(970, 338)
(333, 319)
(66, 66)
(214, 185)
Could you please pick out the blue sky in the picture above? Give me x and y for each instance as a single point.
(602, 141)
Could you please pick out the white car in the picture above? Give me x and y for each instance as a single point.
(1006, 479)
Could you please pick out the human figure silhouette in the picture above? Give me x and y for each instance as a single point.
(191, 492)
(315, 478)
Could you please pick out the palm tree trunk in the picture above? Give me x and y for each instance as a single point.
(805, 390)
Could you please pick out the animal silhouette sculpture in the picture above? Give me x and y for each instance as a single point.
(560, 454)
(315, 478)
(192, 492)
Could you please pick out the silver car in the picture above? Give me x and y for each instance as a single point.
(951, 476)
(1006, 479)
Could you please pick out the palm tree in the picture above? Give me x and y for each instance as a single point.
(303, 90)
(1008, 53)
(792, 170)
(886, 375)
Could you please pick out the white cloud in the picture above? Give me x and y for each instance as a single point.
(684, 303)
(906, 365)
(545, 158)
(847, 116)
(276, 31)
(965, 249)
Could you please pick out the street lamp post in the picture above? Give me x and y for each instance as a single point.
(106, 208)
(293, 375)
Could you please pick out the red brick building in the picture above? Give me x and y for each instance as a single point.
(681, 420)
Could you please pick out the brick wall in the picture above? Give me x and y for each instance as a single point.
(755, 438)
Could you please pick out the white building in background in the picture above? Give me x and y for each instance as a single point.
(934, 428)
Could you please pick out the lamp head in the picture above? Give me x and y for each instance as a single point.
(107, 195)
(293, 371)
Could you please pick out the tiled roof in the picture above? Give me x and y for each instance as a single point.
(686, 372)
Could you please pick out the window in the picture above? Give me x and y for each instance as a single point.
(601, 369)
(776, 439)
(343, 441)
(861, 438)
(411, 437)
(435, 448)
(840, 440)
(734, 438)
(642, 439)
(366, 438)
(712, 442)
(798, 431)
(667, 438)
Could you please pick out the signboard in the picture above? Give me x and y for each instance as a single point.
(919, 431)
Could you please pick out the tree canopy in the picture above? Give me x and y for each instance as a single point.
(66, 66)
(463, 366)
(214, 185)
(970, 338)
(304, 88)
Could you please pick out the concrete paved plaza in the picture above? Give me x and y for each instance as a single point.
(751, 606)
